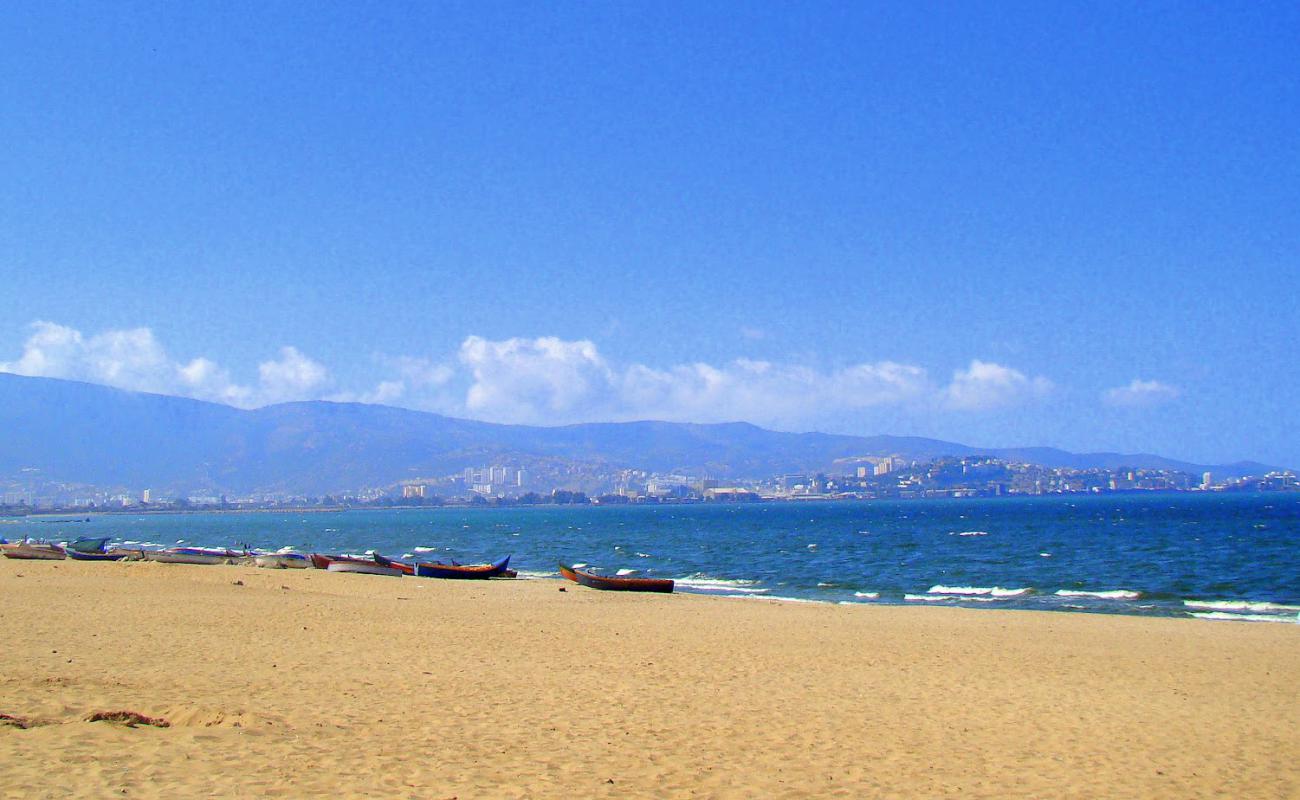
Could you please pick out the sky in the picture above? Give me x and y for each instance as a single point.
(1004, 224)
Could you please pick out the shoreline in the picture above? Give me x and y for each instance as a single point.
(296, 682)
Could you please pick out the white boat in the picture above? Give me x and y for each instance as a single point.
(186, 555)
(282, 561)
(363, 568)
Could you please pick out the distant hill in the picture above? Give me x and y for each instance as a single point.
(86, 433)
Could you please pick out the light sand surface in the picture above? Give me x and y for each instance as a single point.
(306, 683)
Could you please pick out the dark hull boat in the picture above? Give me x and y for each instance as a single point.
(493, 570)
(616, 584)
(404, 568)
(111, 555)
(98, 550)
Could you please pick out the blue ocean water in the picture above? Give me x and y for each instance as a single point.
(1216, 556)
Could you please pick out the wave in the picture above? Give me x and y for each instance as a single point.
(529, 574)
(703, 583)
(968, 533)
(423, 549)
(1112, 594)
(623, 572)
(947, 598)
(867, 595)
(990, 591)
(1240, 605)
(1223, 615)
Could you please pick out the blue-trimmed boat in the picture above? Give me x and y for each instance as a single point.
(496, 569)
(97, 550)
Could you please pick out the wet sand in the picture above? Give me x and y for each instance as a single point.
(301, 683)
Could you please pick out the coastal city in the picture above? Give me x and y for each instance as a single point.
(576, 483)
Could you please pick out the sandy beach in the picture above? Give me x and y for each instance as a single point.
(304, 683)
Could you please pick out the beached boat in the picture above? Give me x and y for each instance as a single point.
(282, 561)
(406, 569)
(110, 555)
(436, 570)
(616, 584)
(194, 555)
(364, 568)
(95, 550)
(323, 561)
(33, 551)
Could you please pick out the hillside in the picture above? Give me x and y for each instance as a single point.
(85, 433)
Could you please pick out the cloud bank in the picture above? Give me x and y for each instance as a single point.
(544, 380)
(134, 359)
(1140, 393)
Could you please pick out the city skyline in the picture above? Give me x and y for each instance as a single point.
(1007, 226)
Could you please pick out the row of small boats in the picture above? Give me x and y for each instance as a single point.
(371, 564)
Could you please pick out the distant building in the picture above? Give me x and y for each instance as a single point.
(1207, 480)
(146, 496)
(413, 490)
(885, 466)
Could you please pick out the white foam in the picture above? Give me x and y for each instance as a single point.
(948, 598)
(981, 591)
(968, 533)
(1240, 605)
(642, 555)
(530, 574)
(706, 584)
(1223, 615)
(423, 549)
(867, 595)
(778, 598)
(579, 565)
(622, 572)
(1113, 594)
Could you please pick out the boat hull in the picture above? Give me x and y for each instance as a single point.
(173, 557)
(109, 556)
(34, 552)
(664, 585)
(363, 568)
(455, 571)
(322, 561)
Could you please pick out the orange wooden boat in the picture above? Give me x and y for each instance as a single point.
(616, 584)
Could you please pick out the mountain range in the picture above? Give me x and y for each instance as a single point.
(87, 433)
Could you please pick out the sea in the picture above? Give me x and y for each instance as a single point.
(1212, 556)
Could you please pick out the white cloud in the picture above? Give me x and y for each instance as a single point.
(292, 377)
(544, 380)
(134, 359)
(1140, 393)
(984, 386)
(536, 380)
(417, 382)
(552, 380)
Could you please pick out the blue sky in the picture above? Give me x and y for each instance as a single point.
(1003, 224)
